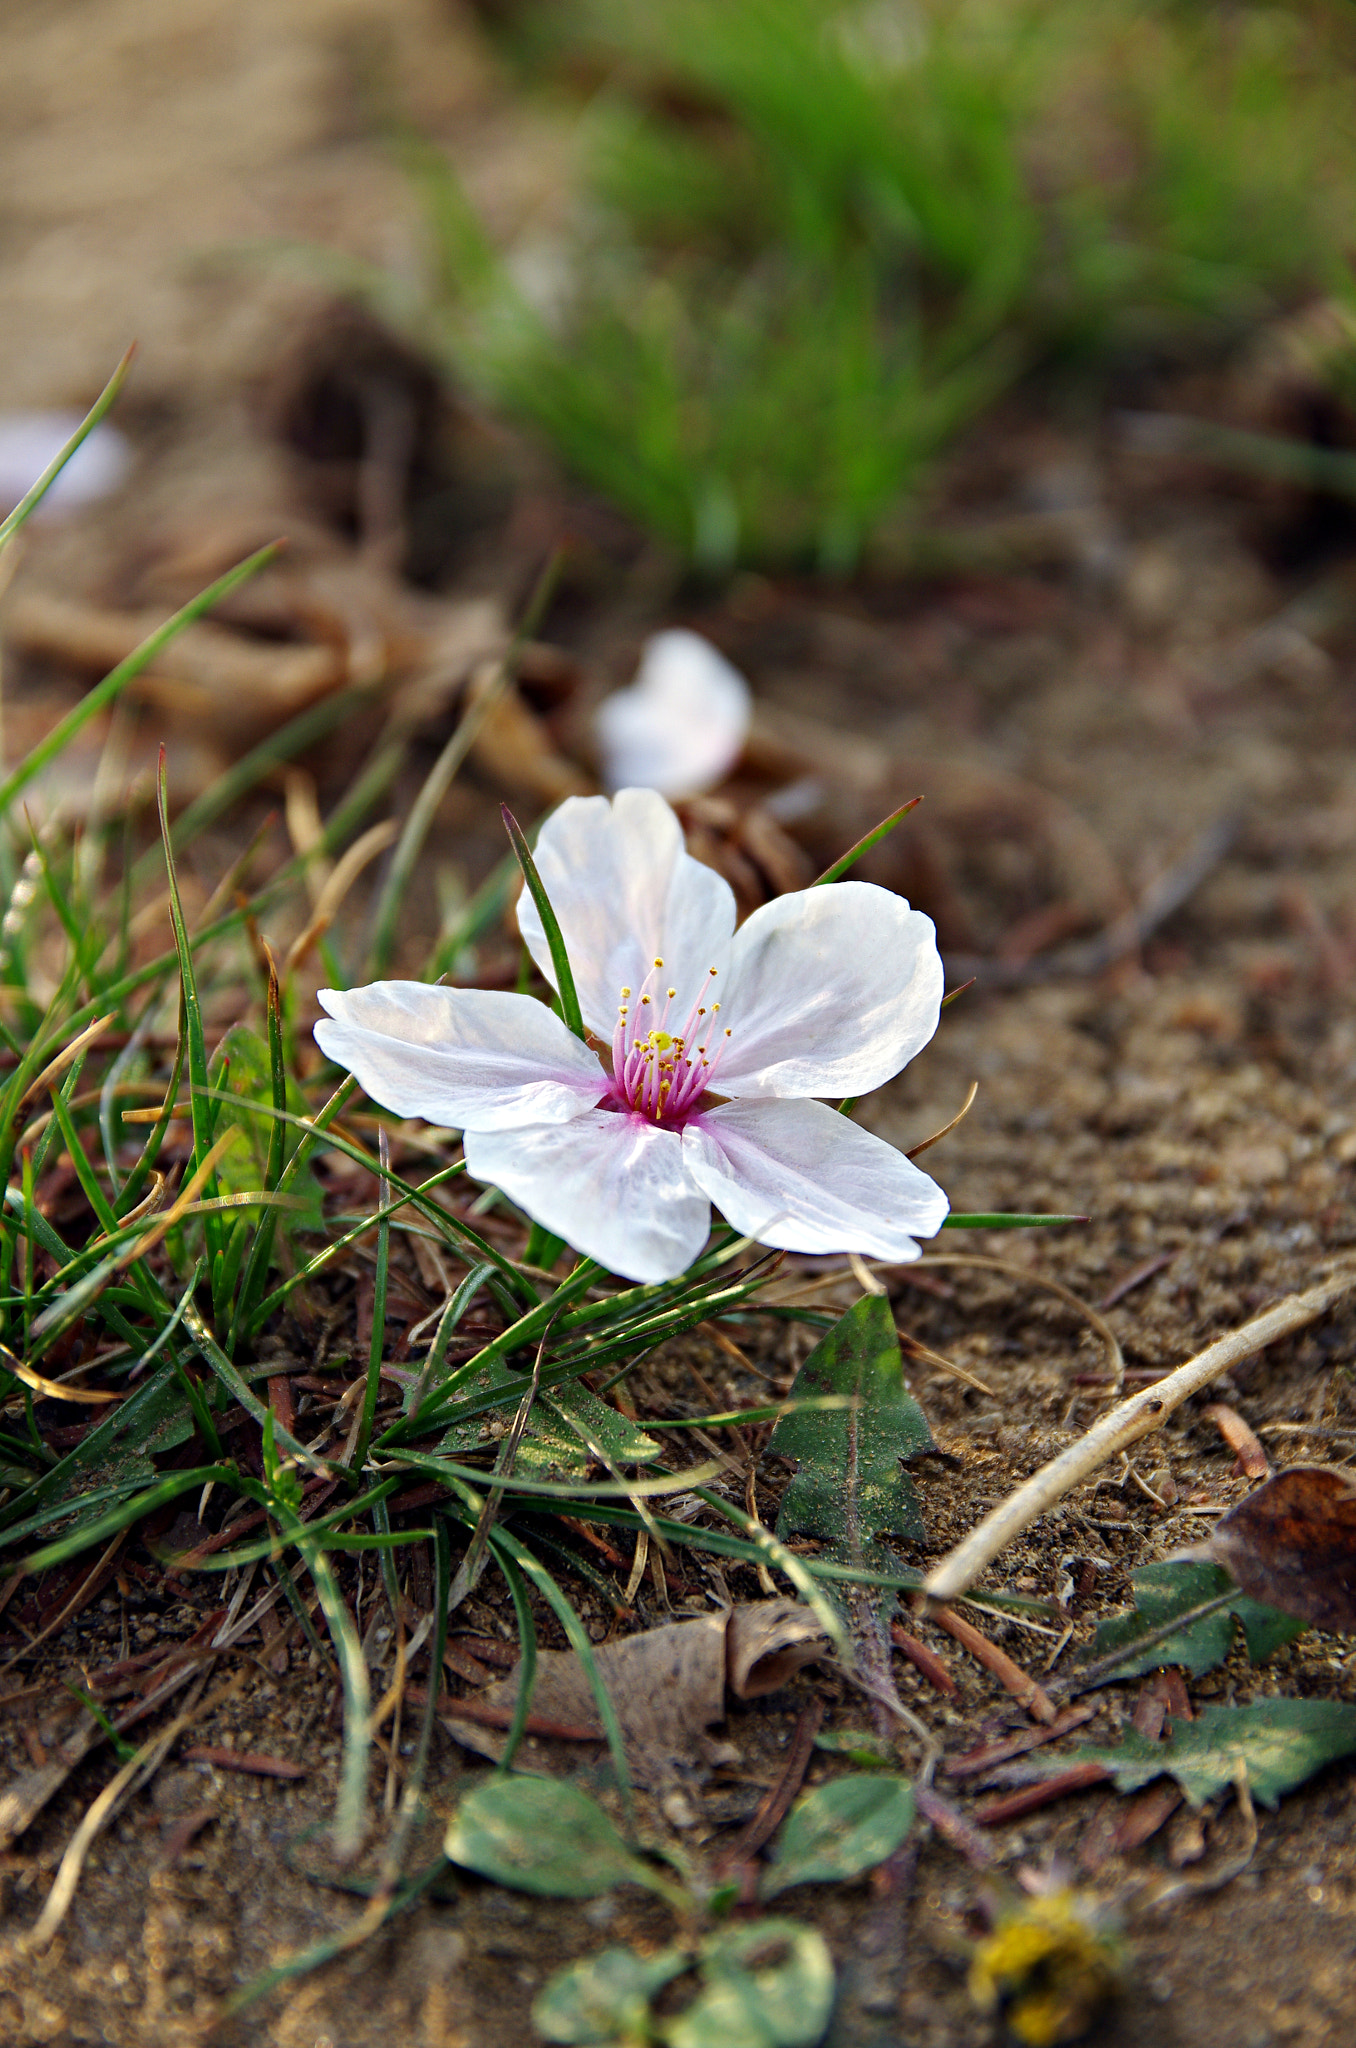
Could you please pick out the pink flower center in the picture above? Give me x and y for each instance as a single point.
(659, 1073)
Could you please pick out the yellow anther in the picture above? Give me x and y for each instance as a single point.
(659, 963)
(672, 993)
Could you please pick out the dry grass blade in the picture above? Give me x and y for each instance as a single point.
(937, 1136)
(67, 1057)
(1103, 1328)
(336, 888)
(52, 1390)
(1125, 1425)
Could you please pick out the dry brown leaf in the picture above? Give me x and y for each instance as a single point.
(667, 1686)
(1292, 1544)
(206, 667)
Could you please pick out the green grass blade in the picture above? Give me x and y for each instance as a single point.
(378, 1343)
(350, 1812)
(865, 844)
(261, 1251)
(527, 1655)
(560, 959)
(506, 1545)
(142, 1502)
(1002, 1220)
(204, 1110)
(103, 404)
(103, 694)
(243, 775)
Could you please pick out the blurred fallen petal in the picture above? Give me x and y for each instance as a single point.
(667, 1686)
(682, 724)
(30, 440)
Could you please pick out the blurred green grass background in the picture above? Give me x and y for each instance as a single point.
(815, 241)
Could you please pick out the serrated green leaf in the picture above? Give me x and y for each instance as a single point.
(606, 1998)
(550, 1447)
(1279, 1742)
(540, 1836)
(849, 1487)
(1179, 1587)
(768, 1985)
(247, 1089)
(839, 1830)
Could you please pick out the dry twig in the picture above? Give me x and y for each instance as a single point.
(1125, 1425)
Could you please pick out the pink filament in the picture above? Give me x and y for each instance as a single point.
(662, 1083)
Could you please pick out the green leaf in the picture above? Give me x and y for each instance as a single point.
(849, 1488)
(867, 1751)
(1279, 1742)
(769, 1984)
(1180, 1587)
(606, 1997)
(540, 1836)
(839, 1830)
(550, 1448)
(245, 1099)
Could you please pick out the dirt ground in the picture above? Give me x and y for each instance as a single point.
(1139, 682)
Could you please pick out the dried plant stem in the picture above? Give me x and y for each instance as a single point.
(1125, 1425)
(1026, 1690)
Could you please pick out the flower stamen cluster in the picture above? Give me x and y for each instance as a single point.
(656, 1076)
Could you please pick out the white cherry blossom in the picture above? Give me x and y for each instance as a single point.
(707, 1048)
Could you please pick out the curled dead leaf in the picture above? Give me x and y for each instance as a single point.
(667, 1685)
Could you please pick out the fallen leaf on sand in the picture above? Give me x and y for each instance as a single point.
(1292, 1544)
(667, 1686)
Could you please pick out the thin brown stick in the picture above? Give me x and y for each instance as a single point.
(1027, 1692)
(1012, 1805)
(247, 1760)
(776, 1803)
(1241, 1438)
(975, 1761)
(1125, 1425)
(923, 1660)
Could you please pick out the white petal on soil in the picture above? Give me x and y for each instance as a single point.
(830, 992)
(798, 1175)
(613, 1187)
(625, 891)
(459, 1056)
(30, 440)
(682, 725)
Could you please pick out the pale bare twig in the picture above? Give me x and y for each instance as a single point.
(1125, 1425)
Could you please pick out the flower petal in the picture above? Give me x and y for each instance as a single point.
(626, 892)
(830, 992)
(459, 1056)
(612, 1186)
(682, 723)
(799, 1176)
